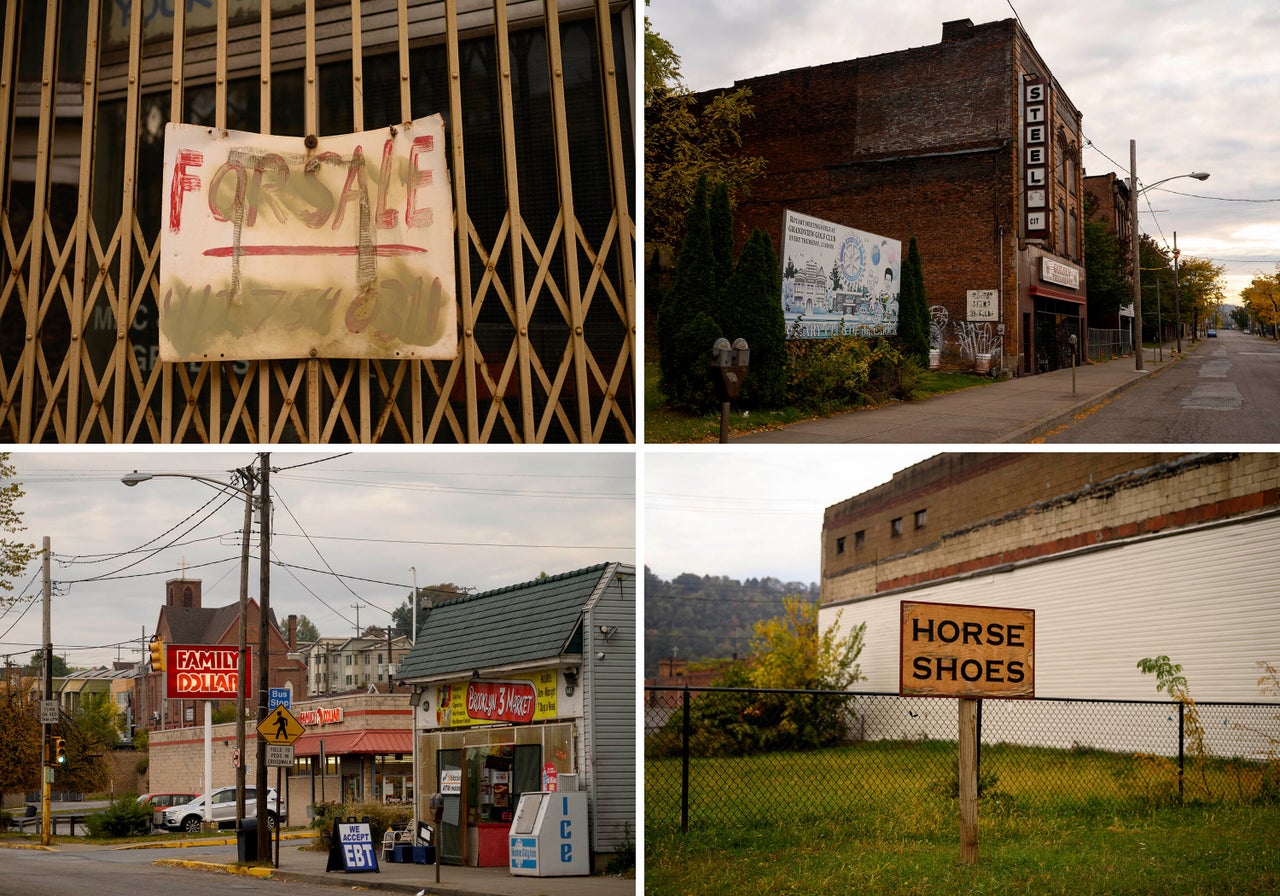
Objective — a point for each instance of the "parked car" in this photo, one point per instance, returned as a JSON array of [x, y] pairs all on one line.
[[189, 816], [161, 801], [1213, 334]]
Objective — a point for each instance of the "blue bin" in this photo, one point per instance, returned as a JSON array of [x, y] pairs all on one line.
[[424, 855], [402, 852]]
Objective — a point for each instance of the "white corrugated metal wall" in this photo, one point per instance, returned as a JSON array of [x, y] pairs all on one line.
[[1208, 597]]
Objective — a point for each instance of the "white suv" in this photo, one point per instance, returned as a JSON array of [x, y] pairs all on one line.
[[222, 810]]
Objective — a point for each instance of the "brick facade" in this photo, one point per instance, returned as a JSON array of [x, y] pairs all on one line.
[[177, 755], [928, 142], [963, 513]]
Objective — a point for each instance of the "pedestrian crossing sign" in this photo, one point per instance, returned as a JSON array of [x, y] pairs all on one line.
[[280, 727]]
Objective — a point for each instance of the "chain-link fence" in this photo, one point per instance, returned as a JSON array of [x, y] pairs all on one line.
[[1107, 344], [735, 756]]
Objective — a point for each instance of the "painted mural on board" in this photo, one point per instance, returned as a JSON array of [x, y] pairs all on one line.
[[838, 280]]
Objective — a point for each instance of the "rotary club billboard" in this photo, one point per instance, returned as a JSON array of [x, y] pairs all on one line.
[[837, 280]]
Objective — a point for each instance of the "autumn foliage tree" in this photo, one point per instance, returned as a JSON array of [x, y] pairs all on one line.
[[791, 651], [14, 554], [1262, 301]]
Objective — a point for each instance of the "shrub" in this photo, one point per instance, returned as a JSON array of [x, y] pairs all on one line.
[[826, 375], [381, 815], [125, 817]]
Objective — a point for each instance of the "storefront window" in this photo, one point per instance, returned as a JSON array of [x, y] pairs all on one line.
[[482, 773]]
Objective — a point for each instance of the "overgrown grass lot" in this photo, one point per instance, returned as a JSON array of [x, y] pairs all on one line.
[[663, 425], [882, 818]]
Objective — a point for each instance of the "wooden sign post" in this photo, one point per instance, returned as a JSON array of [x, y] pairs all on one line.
[[971, 653]]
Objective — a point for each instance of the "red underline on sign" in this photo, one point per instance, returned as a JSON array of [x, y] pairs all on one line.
[[228, 251]]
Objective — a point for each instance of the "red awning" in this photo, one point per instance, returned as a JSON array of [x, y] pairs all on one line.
[[348, 743], [1055, 294]]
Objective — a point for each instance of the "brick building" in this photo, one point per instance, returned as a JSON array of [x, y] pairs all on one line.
[[356, 747], [1122, 556], [1109, 196], [971, 146]]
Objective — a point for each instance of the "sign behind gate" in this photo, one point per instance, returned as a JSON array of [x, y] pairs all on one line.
[[328, 247]]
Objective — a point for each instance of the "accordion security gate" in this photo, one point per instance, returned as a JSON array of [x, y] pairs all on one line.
[[537, 96]]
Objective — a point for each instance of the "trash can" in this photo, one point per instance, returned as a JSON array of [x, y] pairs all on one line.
[[247, 840]]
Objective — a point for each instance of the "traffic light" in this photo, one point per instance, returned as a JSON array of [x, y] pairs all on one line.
[[59, 751], [157, 654]]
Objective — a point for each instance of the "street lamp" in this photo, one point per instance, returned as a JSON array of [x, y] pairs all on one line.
[[245, 476], [1134, 193]]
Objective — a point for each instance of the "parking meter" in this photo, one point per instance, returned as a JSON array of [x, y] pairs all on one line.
[[1073, 363], [730, 363], [436, 804]]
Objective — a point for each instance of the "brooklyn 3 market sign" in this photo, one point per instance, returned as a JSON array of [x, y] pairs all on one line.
[[489, 701], [323, 247]]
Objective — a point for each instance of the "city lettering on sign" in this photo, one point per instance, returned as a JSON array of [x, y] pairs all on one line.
[[955, 650], [501, 701], [332, 247], [202, 673]]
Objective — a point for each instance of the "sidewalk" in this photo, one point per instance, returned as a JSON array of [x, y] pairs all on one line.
[[1015, 410], [297, 864], [454, 880]]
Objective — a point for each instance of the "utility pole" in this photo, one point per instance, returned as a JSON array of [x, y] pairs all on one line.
[[1137, 262], [264, 643], [242, 684], [1177, 305], [46, 739]]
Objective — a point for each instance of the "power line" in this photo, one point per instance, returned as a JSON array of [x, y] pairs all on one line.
[[1213, 198]]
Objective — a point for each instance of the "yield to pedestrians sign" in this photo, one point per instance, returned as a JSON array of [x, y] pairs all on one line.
[[280, 727]]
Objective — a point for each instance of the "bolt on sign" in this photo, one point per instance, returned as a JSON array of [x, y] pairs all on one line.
[[328, 247], [953, 650], [202, 673]]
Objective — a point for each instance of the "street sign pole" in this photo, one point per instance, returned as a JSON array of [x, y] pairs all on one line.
[[276, 734], [970, 653], [968, 780]]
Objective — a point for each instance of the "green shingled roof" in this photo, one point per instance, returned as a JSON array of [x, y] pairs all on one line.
[[538, 620]]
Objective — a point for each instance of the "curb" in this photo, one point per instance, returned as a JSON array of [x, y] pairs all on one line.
[[216, 867], [210, 841], [1040, 428]]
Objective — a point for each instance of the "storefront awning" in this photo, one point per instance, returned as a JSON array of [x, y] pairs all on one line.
[[348, 743], [1055, 294]]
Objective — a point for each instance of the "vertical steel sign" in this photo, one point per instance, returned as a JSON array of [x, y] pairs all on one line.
[[1035, 157]]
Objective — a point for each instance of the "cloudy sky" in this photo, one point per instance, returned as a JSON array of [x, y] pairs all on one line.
[[754, 512], [1195, 82], [346, 531]]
